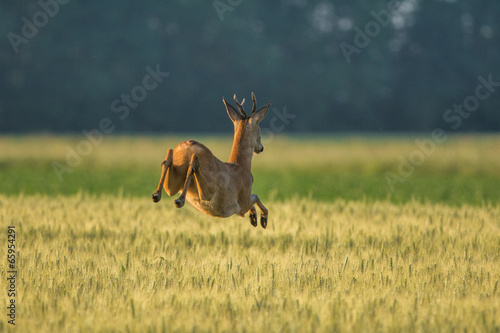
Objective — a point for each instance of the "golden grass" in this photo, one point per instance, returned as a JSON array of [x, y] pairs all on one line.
[[102, 264], [367, 154]]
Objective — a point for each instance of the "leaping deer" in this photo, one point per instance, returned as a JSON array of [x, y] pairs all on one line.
[[214, 187]]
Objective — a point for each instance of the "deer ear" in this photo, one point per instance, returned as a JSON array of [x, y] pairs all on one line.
[[260, 114], [233, 114]]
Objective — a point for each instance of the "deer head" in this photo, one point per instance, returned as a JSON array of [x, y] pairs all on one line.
[[246, 128]]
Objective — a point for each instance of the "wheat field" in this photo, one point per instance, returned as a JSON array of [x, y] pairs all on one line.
[[101, 257], [101, 264]]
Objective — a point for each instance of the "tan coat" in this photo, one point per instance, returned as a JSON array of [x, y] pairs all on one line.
[[218, 188]]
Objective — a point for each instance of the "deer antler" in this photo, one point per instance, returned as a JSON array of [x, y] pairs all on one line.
[[240, 106], [254, 104]]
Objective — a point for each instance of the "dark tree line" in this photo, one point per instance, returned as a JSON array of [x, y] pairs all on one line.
[[335, 65]]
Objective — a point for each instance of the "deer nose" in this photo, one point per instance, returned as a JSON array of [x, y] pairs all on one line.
[[261, 149]]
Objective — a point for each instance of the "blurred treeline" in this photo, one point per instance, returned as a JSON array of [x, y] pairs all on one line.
[[85, 54]]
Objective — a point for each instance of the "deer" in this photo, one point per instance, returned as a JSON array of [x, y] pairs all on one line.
[[216, 188]]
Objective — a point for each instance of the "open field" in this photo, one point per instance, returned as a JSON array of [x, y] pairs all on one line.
[[342, 252], [110, 263], [464, 170]]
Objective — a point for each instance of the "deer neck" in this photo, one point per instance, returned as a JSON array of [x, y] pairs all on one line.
[[242, 150]]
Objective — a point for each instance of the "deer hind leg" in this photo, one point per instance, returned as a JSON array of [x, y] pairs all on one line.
[[193, 167], [263, 212], [165, 165]]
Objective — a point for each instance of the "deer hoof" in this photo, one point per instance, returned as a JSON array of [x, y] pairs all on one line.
[[156, 197], [179, 203], [263, 221], [253, 219]]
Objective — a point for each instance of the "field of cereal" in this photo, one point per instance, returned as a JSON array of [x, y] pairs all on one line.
[[342, 251]]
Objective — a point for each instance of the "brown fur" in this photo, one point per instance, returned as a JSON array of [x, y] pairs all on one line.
[[217, 188]]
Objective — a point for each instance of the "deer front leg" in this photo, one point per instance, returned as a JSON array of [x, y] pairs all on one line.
[[193, 167], [253, 216], [263, 211], [164, 168]]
